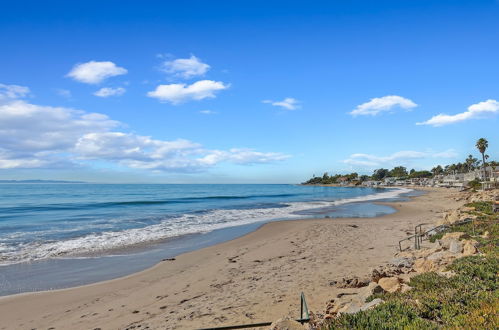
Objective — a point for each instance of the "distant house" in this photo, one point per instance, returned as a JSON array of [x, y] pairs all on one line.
[[389, 181], [454, 180], [462, 179], [371, 183], [343, 180]]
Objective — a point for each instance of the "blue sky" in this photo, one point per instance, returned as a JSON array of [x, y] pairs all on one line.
[[243, 91]]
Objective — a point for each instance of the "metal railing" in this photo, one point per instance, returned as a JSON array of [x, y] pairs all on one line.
[[304, 318], [419, 235]]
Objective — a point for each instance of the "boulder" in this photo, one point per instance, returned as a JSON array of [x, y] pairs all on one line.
[[450, 217], [402, 262], [454, 235], [406, 278], [467, 217], [350, 308], [336, 307], [371, 304], [352, 282], [387, 271], [404, 288], [455, 246], [286, 324], [438, 257], [390, 284], [470, 247], [366, 292], [449, 237], [423, 253], [424, 265]]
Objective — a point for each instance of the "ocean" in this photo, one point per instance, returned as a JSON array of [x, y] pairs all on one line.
[[62, 235]]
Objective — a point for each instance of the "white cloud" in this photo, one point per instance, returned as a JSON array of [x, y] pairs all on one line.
[[185, 67], [95, 72], [178, 93], [382, 104], [34, 136], [241, 156], [405, 157], [450, 153], [11, 92], [208, 112], [475, 111], [143, 152], [109, 91], [288, 103]]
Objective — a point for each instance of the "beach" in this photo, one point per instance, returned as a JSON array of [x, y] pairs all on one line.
[[254, 278]]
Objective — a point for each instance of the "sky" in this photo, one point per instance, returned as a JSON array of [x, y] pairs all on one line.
[[243, 91]]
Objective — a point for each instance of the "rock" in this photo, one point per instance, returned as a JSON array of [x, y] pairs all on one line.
[[455, 246], [390, 284], [468, 216], [336, 308], [423, 253], [450, 217], [469, 247], [449, 237], [424, 265], [406, 278], [350, 308], [454, 235], [371, 304], [328, 317], [286, 324], [353, 282], [376, 274], [387, 271], [402, 262], [437, 257], [404, 288], [366, 292]]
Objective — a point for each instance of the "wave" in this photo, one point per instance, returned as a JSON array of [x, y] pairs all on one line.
[[191, 223], [72, 206]]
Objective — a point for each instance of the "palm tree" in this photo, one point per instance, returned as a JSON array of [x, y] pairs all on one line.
[[482, 145]]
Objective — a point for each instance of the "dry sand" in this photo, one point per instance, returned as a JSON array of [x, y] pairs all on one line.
[[255, 278]]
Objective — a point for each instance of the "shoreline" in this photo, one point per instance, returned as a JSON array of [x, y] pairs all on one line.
[[196, 276], [87, 267], [82, 246]]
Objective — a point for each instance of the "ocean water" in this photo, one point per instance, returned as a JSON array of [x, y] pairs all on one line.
[[60, 235]]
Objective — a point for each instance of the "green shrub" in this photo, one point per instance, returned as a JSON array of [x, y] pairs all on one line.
[[478, 269], [475, 184], [467, 300], [391, 315], [484, 207]]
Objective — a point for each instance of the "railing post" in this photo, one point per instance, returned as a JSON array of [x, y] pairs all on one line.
[[301, 306], [303, 310]]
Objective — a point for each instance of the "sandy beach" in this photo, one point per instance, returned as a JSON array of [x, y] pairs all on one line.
[[255, 278]]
